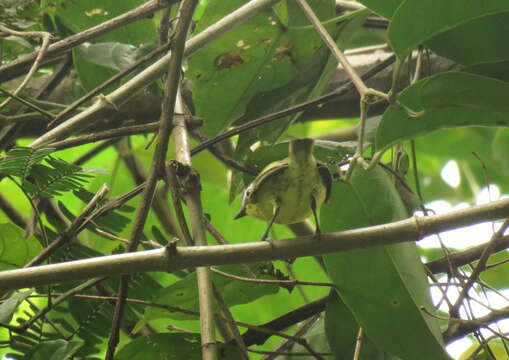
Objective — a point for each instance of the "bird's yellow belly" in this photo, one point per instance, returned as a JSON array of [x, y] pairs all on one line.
[[293, 197]]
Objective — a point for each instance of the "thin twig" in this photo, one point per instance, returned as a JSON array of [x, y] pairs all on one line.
[[338, 54], [297, 338], [358, 345], [46, 37], [230, 321], [268, 281], [118, 132], [481, 265]]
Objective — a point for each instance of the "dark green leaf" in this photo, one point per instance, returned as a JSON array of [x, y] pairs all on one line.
[[386, 285], [405, 34], [451, 99], [54, 350], [486, 40], [342, 331], [312, 78], [386, 8], [9, 306]]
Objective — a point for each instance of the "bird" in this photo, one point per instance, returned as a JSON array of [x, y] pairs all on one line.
[[290, 190]]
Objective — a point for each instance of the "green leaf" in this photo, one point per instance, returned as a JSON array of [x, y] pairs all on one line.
[[254, 58], [342, 331], [497, 349], [485, 34], [52, 181], [9, 306], [184, 293], [19, 161], [15, 249], [54, 350], [386, 8], [382, 286], [497, 276], [405, 34], [312, 78], [170, 346], [81, 15], [451, 99], [167, 346], [251, 58], [493, 69]]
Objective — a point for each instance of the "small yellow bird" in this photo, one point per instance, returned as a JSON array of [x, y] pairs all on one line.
[[289, 190]]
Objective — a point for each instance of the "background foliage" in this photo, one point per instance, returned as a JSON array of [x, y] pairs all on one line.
[[275, 60]]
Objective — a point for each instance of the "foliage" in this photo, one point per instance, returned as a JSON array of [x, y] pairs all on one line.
[[433, 115]]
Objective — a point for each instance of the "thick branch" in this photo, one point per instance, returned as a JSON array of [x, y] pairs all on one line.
[[150, 74], [172, 259]]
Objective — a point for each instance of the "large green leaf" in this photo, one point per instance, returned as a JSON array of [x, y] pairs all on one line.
[[15, 249], [487, 40], [342, 332], [405, 34], [452, 99], [384, 287], [316, 66], [81, 15], [226, 74], [258, 56], [494, 69]]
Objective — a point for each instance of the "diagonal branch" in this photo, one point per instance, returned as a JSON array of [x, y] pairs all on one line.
[[18, 66], [150, 74], [165, 128]]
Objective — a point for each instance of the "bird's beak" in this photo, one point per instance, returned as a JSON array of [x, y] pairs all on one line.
[[240, 214]]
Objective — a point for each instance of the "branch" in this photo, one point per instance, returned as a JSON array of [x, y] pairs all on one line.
[[14, 68], [151, 73], [165, 127], [172, 258], [462, 327], [465, 257]]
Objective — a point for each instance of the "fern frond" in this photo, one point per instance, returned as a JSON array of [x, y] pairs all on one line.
[[19, 161], [52, 181]]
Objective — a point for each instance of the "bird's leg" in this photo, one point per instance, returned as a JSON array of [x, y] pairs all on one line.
[[313, 209], [265, 235]]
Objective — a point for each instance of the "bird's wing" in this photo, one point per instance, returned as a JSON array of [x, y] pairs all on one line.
[[326, 178], [272, 169]]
